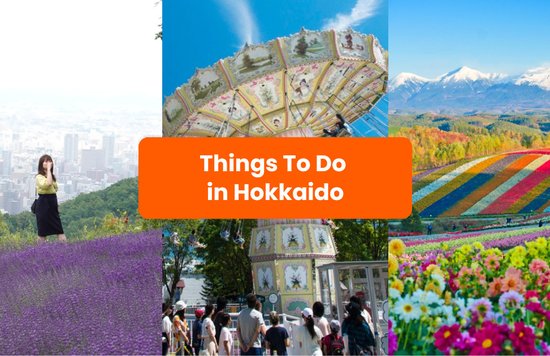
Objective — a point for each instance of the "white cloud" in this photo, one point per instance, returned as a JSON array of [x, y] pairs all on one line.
[[362, 10], [242, 19]]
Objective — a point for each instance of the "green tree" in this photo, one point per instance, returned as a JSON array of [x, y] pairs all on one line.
[[226, 267], [361, 240], [413, 223]]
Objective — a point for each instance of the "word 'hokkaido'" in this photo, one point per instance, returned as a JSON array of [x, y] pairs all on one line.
[[277, 192]]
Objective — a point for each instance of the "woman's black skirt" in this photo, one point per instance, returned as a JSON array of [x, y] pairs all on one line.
[[47, 215]]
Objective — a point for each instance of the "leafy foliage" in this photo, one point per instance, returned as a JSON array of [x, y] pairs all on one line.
[[360, 240], [439, 140]]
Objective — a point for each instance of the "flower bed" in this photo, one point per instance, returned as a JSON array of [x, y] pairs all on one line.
[[452, 242], [94, 297], [472, 301]]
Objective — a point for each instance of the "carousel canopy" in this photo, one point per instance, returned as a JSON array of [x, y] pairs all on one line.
[[301, 81]]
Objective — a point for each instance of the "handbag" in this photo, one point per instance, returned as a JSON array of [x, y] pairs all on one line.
[[35, 202]]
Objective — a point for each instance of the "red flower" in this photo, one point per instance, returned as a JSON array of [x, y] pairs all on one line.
[[446, 336], [523, 339]]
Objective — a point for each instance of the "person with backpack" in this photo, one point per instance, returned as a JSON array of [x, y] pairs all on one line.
[[360, 339], [333, 344]]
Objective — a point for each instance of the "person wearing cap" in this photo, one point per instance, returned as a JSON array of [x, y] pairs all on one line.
[[180, 330], [308, 336], [276, 337], [333, 344], [249, 326], [197, 330], [360, 339]]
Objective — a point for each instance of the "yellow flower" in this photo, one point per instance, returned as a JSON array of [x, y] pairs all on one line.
[[393, 265], [448, 297], [445, 246], [465, 249], [478, 245], [397, 247], [433, 286], [397, 284]]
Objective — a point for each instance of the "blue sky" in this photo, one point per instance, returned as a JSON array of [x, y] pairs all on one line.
[[197, 34], [431, 37]]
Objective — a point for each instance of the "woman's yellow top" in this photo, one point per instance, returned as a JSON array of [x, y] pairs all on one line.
[[42, 186]]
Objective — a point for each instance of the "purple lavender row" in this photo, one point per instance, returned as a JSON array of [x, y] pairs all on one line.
[[93, 297]]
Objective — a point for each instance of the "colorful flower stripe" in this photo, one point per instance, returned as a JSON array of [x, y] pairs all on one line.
[[512, 241], [465, 185], [436, 246], [434, 175], [474, 235], [432, 187], [531, 195], [510, 162], [531, 177], [529, 189], [420, 175], [458, 189], [504, 187], [538, 204]]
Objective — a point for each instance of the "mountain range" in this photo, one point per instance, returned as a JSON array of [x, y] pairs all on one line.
[[466, 90]]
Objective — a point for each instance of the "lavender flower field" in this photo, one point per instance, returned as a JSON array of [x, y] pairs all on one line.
[[92, 297]]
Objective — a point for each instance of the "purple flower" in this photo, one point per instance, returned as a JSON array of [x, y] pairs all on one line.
[[510, 300]]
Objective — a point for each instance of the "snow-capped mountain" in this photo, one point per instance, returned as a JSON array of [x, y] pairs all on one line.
[[465, 89], [407, 79], [466, 74], [537, 76]]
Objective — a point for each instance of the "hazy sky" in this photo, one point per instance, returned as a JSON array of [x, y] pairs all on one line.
[[90, 53], [431, 37]]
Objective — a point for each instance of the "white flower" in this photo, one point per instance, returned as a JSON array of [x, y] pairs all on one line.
[[438, 278], [394, 293], [406, 309]]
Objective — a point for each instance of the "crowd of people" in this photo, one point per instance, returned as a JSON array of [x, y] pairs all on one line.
[[211, 334]]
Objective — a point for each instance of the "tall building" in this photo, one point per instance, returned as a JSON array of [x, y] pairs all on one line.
[[92, 160], [71, 148], [109, 149], [5, 163]]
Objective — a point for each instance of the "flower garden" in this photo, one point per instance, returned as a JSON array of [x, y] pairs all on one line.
[[517, 182], [91, 297], [480, 294]]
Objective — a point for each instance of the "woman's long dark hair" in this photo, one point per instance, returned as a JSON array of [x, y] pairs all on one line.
[[310, 325], [207, 311], [41, 170]]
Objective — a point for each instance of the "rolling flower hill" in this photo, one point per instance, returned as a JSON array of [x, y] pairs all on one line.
[[510, 183], [89, 297]]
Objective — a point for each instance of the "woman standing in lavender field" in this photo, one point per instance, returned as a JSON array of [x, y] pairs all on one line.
[[47, 209]]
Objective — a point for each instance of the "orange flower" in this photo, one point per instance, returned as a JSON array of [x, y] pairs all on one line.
[[512, 281], [495, 287]]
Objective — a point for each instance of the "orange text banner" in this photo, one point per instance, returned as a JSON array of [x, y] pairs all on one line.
[[344, 178]]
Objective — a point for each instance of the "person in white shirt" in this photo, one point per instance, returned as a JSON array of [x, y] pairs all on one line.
[[209, 343], [226, 339], [319, 319], [308, 336], [166, 329]]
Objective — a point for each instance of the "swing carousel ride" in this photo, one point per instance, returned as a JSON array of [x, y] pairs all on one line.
[[312, 83]]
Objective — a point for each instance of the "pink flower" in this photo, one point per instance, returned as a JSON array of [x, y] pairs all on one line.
[[532, 294], [446, 336], [488, 339], [523, 339], [492, 262], [392, 340], [538, 266]]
